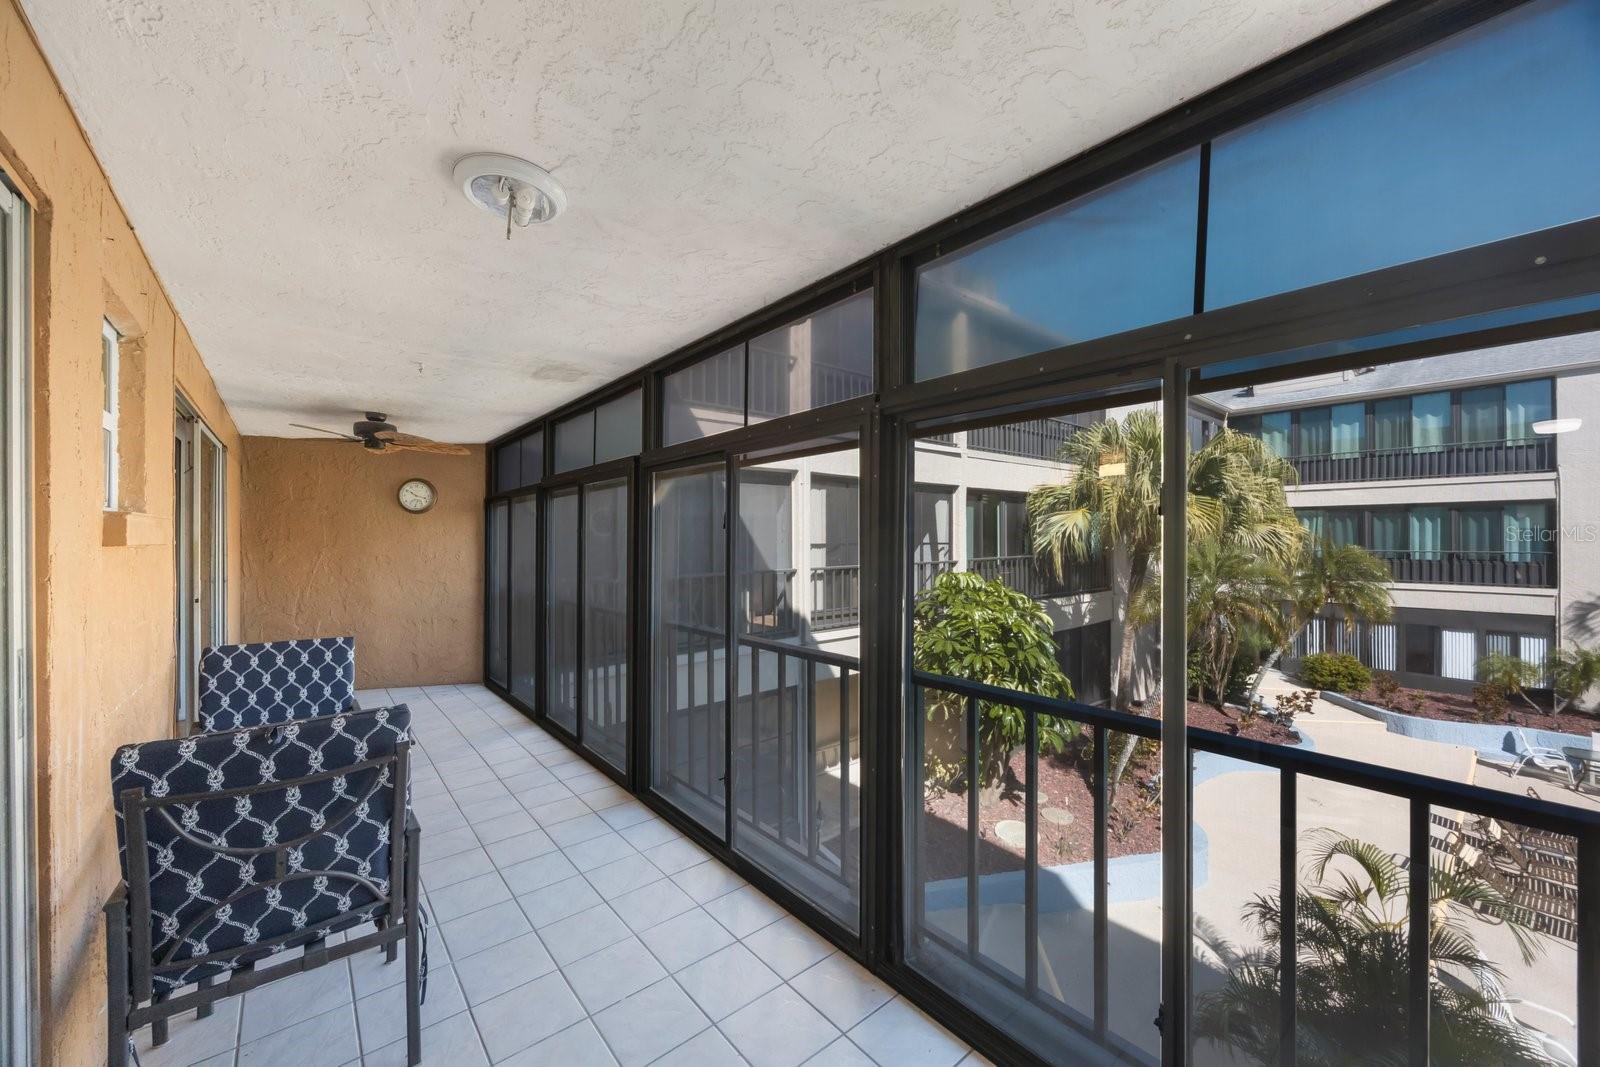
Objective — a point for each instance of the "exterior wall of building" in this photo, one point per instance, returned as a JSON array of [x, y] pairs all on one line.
[[329, 551], [1577, 494], [104, 604]]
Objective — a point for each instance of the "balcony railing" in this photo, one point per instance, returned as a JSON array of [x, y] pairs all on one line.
[[1027, 575], [835, 596], [1034, 439], [1519, 456], [1535, 569], [1020, 975]]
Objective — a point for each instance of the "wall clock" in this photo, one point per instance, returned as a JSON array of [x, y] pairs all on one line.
[[418, 495]]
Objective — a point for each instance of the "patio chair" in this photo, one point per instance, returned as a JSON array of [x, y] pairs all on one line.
[[238, 847], [1543, 757], [275, 681]]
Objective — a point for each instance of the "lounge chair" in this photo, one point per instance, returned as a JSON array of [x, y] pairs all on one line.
[[1546, 759]]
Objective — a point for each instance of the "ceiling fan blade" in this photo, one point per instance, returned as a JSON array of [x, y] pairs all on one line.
[[319, 429], [437, 448]]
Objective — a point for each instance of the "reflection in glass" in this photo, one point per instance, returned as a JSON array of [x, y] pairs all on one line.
[[498, 556], [524, 597], [575, 442], [1116, 259], [507, 467], [689, 643], [703, 399], [532, 458], [561, 617], [822, 359], [619, 427], [797, 723]]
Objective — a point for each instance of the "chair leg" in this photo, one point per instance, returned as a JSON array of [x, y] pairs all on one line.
[[413, 996], [204, 1011], [116, 987]]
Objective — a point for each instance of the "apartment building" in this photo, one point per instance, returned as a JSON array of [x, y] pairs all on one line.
[[1472, 477]]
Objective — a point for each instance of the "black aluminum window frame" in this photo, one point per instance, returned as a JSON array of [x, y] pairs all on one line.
[[1548, 266]]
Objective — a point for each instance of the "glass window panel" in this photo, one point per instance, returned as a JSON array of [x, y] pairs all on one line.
[[1426, 532], [1478, 532], [689, 638], [1348, 428], [1275, 429], [797, 721], [1343, 527], [532, 458], [1526, 404], [1430, 421], [1117, 259], [499, 582], [606, 621], [1388, 533], [1465, 142], [507, 467], [824, 358], [1391, 423], [705, 398], [1421, 648], [1480, 414], [524, 596], [1316, 431], [575, 442], [1526, 532], [561, 610], [619, 427]]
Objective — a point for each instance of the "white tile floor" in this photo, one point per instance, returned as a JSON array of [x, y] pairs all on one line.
[[571, 927]]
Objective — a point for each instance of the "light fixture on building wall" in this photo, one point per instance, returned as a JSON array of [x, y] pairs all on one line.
[[1547, 427], [522, 193]]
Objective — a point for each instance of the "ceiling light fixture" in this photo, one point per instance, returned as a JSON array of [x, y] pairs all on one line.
[[514, 189]]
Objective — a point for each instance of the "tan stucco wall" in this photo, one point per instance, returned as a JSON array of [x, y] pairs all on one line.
[[104, 615], [328, 550]]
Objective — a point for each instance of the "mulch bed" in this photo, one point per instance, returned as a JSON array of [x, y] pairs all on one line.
[[1458, 707], [1134, 826]]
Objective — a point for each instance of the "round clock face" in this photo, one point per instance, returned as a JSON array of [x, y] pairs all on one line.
[[417, 496]]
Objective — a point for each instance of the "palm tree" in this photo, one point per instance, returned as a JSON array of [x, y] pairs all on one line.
[[1353, 967], [1111, 503], [1573, 672], [1512, 675], [1232, 596], [1346, 577]]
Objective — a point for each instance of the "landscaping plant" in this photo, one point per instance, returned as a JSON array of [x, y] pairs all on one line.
[[1335, 672], [1352, 967], [966, 626], [1573, 672], [1514, 675]]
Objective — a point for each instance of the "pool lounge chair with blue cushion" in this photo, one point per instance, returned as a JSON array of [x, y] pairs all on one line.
[[275, 681], [238, 847]]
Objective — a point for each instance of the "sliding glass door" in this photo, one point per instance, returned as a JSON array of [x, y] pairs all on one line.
[[588, 613], [797, 720], [606, 620], [523, 565], [689, 642]]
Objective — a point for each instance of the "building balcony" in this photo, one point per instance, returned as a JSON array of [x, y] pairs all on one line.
[[1027, 575], [1480, 458], [1526, 569]]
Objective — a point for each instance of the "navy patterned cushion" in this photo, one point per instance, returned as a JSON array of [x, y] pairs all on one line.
[[210, 850], [276, 681]]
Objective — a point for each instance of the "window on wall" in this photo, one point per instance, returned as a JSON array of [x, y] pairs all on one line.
[[1465, 142], [822, 359], [499, 571], [619, 427], [562, 619], [574, 442], [110, 358], [704, 398], [519, 463], [524, 567], [1113, 260]]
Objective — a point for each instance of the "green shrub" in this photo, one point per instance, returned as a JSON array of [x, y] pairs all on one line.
[[1335, 672]]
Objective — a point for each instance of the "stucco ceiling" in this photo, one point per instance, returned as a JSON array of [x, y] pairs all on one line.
[[287, 166]]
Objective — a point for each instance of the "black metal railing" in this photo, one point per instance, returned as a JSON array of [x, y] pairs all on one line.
[[690, 715], [835, 596], [1421, 793], [798, 723], [1033, 439], [1512, 456], [1027, 575], [1516, 568]]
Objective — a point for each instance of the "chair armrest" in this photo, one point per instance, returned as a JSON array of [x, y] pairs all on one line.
[[118, 900]]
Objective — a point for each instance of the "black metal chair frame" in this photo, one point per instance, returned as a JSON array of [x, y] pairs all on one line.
[[131, 969]]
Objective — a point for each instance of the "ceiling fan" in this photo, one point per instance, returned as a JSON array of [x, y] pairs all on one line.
[[377, 434]]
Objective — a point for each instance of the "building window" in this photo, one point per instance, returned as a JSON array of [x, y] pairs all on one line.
[[110, 356]]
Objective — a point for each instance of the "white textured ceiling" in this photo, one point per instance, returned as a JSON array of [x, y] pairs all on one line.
[[287, 165]]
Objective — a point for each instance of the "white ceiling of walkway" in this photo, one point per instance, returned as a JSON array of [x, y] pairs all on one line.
[[287, 166]]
